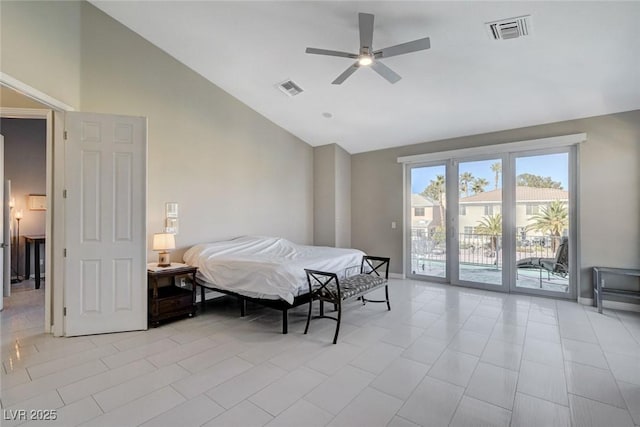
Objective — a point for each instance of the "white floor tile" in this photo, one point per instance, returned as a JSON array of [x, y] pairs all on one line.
[[205, 359], [335, 357], [454, 367], [544, 352], [244, 385], [57, 365], [584, 353], [503, 354], [72, 415], [370, 408], [543, 381], [16, 377], [401, 378], [631, 394], [138, 387], [377, 357], [586, 412], [338, 390], [51, 382], [433, 402], [494, 385], [472, 413], [281, 394], [299, 354], [543, 332], [125, 357], [579, 331], [624, 368], [47, 400], [421, 319], [245, 414], [425, 350], [180, 352], [593, 383], [509, 333], [302, 413], [479, 324], [194, 412], [138, 411], [103, 381], [211, 377], [403, 336], [529, 411], [401, 422], [469, 342]]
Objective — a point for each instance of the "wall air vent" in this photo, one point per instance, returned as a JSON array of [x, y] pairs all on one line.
[[509, 28], [290, 88]]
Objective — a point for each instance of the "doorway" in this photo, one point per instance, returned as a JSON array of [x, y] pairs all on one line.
[[502, 221], [25, 179]]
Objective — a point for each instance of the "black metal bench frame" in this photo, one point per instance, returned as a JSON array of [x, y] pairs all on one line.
[[325, 287]]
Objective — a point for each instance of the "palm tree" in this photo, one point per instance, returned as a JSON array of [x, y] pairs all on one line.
[[478, 185], [466, 178], [491, 225], [497, 169], [552, 219], [436, 191]]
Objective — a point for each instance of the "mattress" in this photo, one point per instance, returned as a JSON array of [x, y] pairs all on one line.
[[267, 267]]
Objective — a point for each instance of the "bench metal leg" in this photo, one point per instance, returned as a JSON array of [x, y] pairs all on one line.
[[306, 328], [243, 306], [202, 300], [386, 294], [335, 338], [285, 321]]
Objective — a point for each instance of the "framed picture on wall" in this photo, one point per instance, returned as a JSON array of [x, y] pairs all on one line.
[[37, 202]]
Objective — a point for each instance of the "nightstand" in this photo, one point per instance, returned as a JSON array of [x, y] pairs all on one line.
[[177, 298]]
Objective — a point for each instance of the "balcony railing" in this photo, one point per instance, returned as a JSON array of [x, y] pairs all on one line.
[[480, 249]]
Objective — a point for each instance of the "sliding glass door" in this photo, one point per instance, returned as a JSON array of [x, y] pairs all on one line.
[[478, 242], [504, 222], [543, 212], [427, 225]]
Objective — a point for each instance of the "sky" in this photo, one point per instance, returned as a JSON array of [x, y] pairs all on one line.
[[553, 165]]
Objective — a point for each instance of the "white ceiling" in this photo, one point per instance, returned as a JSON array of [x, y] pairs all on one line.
[[583, 59]]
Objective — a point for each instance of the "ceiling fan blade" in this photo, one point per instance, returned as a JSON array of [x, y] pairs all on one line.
[[330, 53], [386, 72], [342, 77], [400, 49], [365, 21]]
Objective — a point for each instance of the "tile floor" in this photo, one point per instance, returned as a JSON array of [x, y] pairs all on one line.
[[442, 356]]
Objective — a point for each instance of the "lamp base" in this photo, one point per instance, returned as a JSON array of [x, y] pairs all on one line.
[[164, 259]]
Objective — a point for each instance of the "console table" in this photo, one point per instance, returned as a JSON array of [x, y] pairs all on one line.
[[600, 290], [36, 241]]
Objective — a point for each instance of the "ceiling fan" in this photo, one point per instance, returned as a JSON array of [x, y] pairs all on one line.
[[369, 57]]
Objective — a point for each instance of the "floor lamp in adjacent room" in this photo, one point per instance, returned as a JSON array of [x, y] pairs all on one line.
[[18, 218]]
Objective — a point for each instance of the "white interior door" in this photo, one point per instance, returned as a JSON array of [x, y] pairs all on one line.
[[105, 286]]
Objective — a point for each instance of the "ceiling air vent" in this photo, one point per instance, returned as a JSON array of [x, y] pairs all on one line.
[[509, 28], [290, 88]]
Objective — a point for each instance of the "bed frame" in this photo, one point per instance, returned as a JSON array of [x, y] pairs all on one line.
[[278, 304]]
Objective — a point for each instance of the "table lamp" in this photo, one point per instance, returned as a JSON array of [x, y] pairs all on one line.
[[164, 242]]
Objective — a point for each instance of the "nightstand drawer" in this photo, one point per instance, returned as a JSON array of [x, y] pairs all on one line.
[[175, 303], [171, 301]]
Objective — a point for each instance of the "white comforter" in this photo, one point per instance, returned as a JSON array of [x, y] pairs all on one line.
[[266, 267]]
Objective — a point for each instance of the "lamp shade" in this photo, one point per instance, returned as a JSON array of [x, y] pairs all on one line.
[[19, 214], [163, 241]]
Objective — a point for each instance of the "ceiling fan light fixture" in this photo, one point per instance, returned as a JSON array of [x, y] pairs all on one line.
[[365, 60]]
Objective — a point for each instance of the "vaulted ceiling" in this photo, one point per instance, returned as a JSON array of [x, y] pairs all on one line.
[[580, 59]]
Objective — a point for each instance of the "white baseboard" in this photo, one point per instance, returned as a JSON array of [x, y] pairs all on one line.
[[615, 305], [396, 276]]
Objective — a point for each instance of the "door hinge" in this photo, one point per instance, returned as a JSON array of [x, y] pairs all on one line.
[[64, 311], [64, 194], [64, 252], [66, 135]]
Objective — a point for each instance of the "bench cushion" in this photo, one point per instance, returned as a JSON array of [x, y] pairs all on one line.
[[354, 285]]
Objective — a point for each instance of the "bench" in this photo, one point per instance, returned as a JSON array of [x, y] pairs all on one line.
[[600, 290], [327, 287]]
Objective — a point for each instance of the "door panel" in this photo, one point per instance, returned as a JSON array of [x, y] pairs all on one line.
[[479, 237], [543, 213], [5, 282], [105, 280], [427, 214]]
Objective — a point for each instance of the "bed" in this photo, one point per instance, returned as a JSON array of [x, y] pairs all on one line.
[[266, 270]]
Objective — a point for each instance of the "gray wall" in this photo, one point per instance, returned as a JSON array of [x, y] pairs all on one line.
[[332, 196], [25, 165], [608, 197], [232, 171]]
